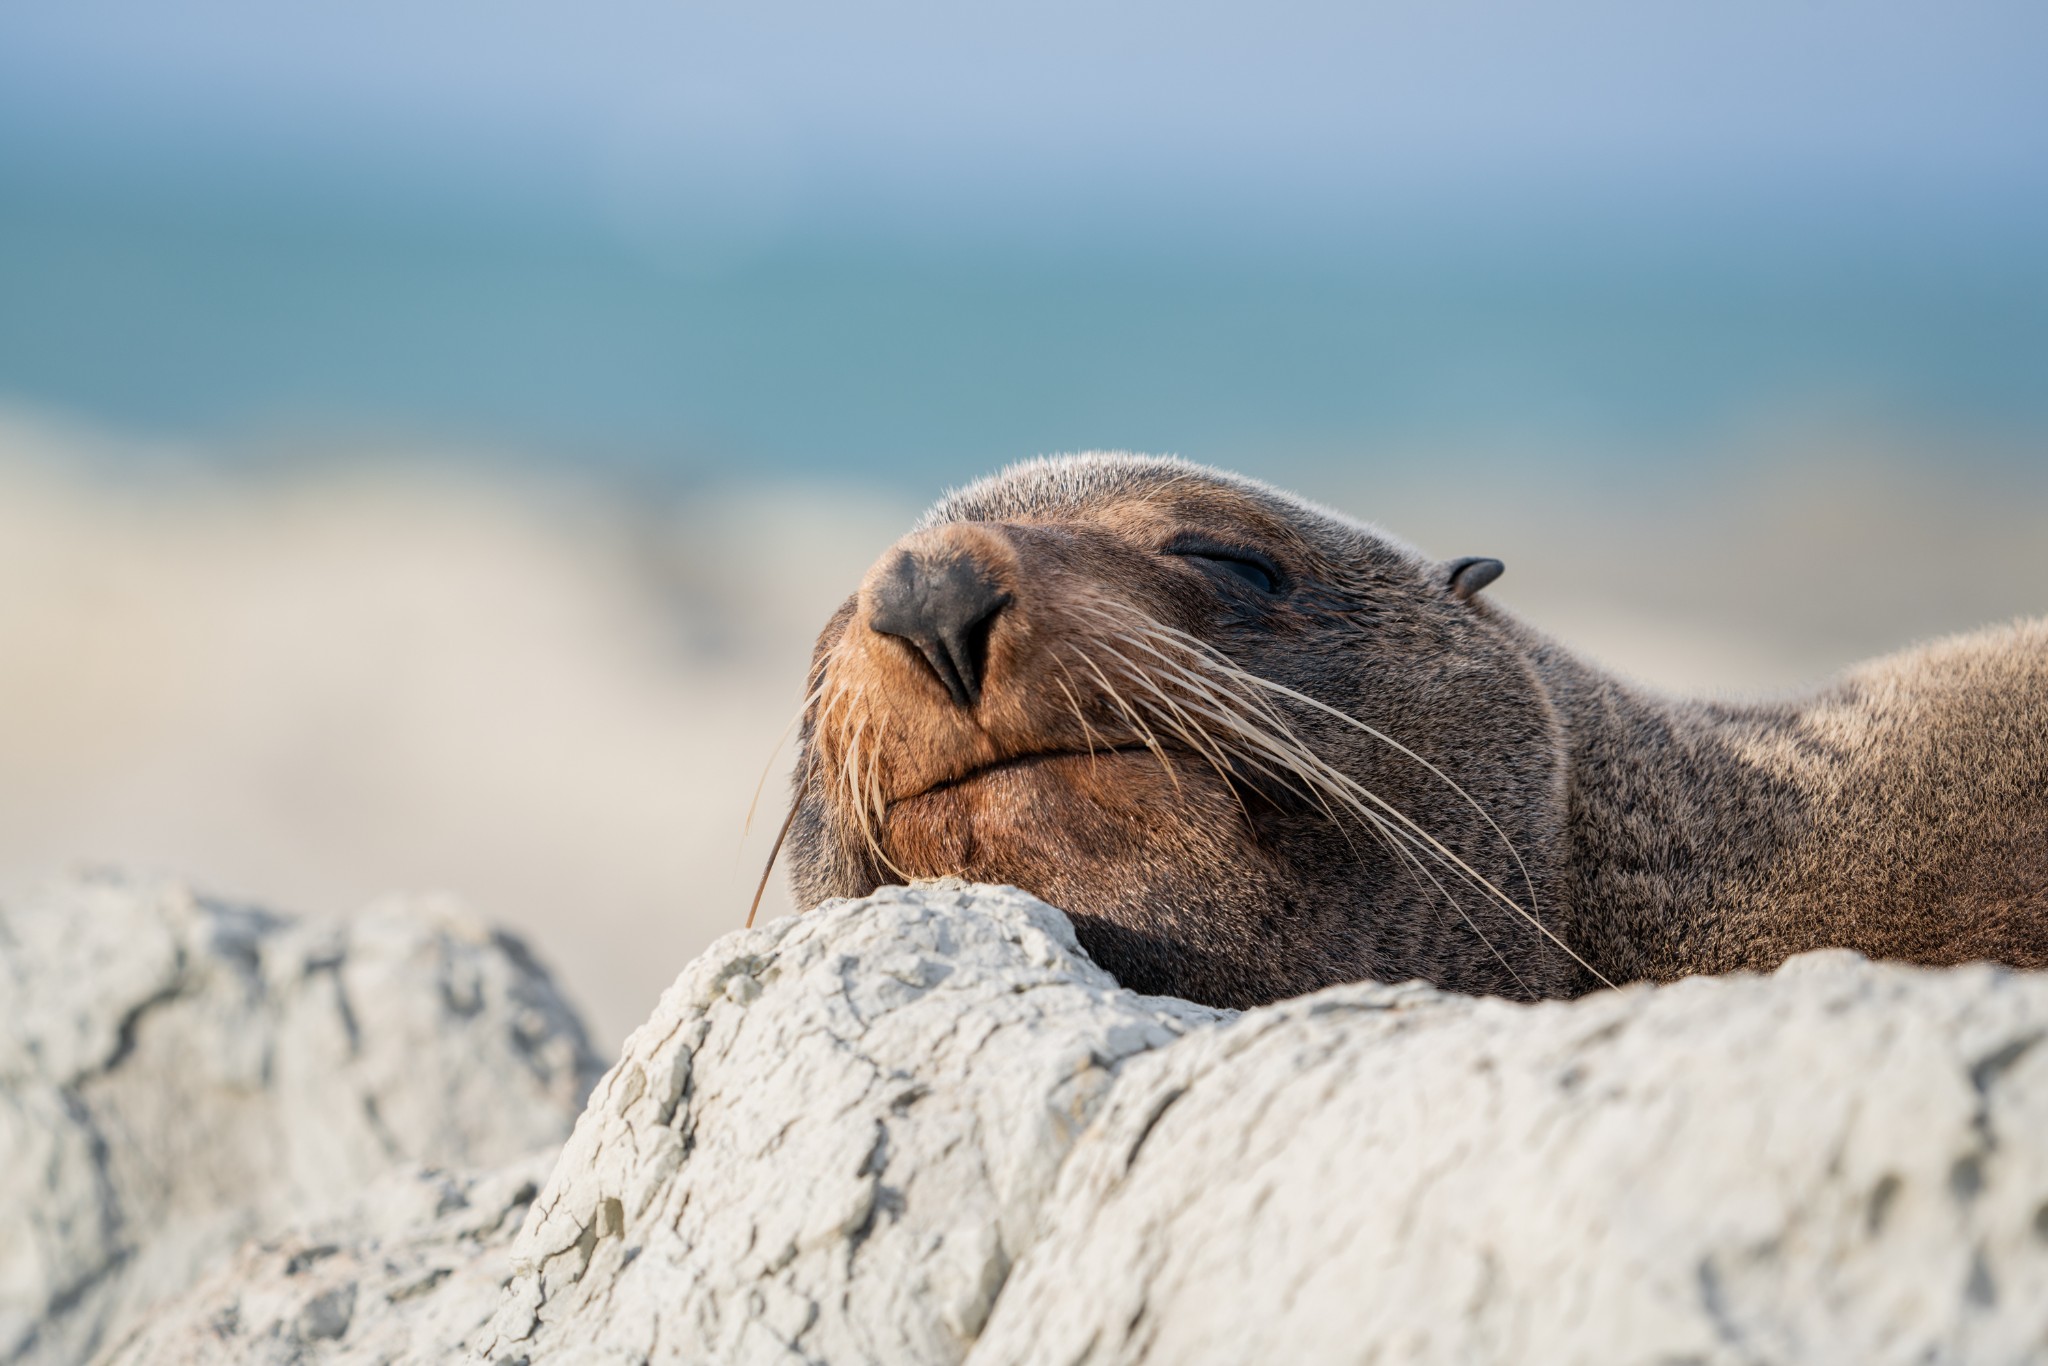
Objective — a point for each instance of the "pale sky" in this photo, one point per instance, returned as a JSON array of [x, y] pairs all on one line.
[[915, 111]]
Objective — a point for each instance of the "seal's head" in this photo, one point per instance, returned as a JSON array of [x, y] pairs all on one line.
[[1251, 746]]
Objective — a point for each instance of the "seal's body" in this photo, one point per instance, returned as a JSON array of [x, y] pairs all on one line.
[[1254, 748]]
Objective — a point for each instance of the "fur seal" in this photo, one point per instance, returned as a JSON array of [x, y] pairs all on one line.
[[1254, 747]]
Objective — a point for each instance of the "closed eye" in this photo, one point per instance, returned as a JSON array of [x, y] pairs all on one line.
[[1244, 566]]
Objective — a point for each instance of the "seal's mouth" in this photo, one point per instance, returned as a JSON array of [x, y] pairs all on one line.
[[1017, 762]]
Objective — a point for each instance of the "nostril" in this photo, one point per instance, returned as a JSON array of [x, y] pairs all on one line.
[[945, 609], [967, 644]]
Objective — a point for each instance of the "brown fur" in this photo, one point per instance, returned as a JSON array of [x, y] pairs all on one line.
[[1610, 834]]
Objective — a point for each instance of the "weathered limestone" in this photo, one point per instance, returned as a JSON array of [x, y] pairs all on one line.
[[177, 1073], [838, 1134], [409, 1272], [830, 1141], [1844, 1162], [924, 1128]]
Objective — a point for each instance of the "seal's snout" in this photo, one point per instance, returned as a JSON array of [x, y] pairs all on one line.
[[942, 599]]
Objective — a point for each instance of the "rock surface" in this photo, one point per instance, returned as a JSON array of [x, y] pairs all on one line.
[[924, 1128], [1844, 1162], [830, 1141], [177, 1073], [854, 1136], [411, 1271]]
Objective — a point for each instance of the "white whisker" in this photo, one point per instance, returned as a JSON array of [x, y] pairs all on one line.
[[1319, 773]]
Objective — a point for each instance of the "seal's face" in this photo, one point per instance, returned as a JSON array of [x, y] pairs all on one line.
[[1251, 747]]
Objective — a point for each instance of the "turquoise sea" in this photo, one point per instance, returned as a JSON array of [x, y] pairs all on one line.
[[269, 325]]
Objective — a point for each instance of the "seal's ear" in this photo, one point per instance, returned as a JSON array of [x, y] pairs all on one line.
[[1467, 576]]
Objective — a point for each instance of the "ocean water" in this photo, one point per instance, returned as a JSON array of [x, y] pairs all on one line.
[[265, 326]]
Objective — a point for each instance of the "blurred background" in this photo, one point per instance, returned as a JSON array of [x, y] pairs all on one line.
[[430, 433]]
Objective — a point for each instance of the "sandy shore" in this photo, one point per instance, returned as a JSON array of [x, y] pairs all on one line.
[[556, 701]]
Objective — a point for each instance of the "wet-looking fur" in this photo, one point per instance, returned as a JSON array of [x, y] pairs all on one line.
[[1254, 747]]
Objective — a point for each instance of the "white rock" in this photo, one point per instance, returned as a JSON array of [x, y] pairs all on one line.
[[852, 1138], [1846, 1162], [924, 1128], [177, 1073], [411, 1271], [830, 1141]]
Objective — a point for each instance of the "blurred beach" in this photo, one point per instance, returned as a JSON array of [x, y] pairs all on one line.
[[430, 436]]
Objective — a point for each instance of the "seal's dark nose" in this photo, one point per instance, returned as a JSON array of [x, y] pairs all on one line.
[[943, 605]]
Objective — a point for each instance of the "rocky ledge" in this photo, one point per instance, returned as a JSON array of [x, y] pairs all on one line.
[[924, 1127], [178, 1073]]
